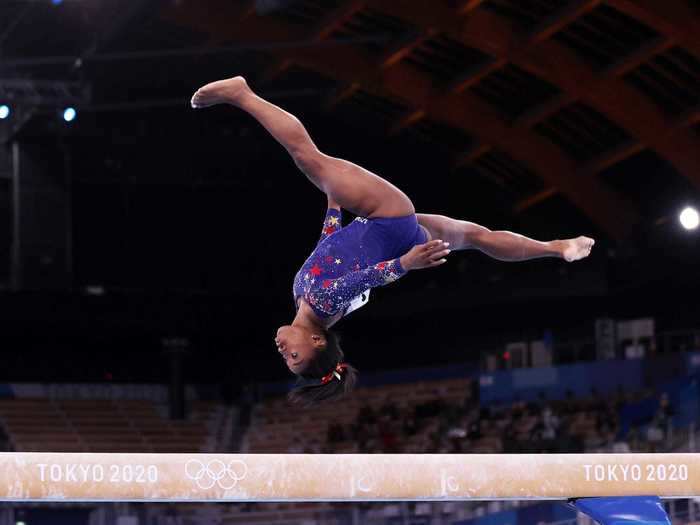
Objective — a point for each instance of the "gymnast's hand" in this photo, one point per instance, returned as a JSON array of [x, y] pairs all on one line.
[[426, 255]]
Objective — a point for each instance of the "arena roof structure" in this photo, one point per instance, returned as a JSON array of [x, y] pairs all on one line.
[[543, 98], [542, 95]]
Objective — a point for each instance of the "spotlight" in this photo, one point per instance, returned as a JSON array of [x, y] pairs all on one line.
[[69, 114], [56, 2], [689, 218], [4, 111]]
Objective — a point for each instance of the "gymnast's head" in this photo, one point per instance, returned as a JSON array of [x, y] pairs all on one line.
[[317, 360]]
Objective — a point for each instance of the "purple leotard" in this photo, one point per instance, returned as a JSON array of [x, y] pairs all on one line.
[[349, 260]]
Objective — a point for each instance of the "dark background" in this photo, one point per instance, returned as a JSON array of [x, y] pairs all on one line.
[[193, 223]]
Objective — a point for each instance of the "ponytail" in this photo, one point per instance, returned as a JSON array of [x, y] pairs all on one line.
[[327, 378]]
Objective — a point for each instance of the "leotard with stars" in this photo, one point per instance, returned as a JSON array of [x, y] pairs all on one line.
[[350, 260]]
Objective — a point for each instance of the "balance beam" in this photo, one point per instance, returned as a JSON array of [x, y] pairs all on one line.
[[36, 476]]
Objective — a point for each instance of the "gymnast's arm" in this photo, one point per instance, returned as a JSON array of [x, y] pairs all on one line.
[[332, 205], [332, 222], [333, 293]]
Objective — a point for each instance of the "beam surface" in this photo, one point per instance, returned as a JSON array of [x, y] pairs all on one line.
[[37, 476]]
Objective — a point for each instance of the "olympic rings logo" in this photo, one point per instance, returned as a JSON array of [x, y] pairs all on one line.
[[216, 472]]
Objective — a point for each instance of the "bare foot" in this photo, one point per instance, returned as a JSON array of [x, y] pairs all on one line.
[[575, 249], [220, 92]]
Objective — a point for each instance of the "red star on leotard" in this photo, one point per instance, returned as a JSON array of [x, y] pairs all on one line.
[[328, 230], [326, 283], [316, 270], [381, 265]]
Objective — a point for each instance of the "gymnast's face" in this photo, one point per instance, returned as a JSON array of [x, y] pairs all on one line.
[[297, 345]]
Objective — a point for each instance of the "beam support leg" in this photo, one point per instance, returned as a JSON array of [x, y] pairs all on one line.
[[647, 510]]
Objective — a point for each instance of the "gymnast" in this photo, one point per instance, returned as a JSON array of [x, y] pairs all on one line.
[[387, 240]]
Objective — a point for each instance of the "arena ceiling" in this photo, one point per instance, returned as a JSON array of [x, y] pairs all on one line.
[[543, 98], [540, 95]]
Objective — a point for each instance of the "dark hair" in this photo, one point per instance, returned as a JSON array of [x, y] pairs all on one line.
[[309, 389]]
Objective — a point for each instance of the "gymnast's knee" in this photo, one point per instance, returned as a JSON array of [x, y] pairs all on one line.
[[308, 159]]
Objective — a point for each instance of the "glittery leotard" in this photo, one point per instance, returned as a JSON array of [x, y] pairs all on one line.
[[348, 261]]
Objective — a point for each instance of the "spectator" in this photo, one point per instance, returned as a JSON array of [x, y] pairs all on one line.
[[430, 408], [474, 425], [410, 427], [313, 447], [657, 431], [388, 436], [389, 409], [606, 420], [366, 415], [596, 403], [335, 433], [620, 399], [664, 413], [296, 446], [620, 447], [4, 440], [550, 425], [517, 409], [570, 405]]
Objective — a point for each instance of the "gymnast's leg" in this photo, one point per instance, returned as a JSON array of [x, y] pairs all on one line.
[[501, 245], [352, 187]]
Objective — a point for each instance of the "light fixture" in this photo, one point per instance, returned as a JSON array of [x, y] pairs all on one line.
[[4, 111], [69, 114], [689, 218]]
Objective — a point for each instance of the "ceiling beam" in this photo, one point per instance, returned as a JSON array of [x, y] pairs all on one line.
[[561, 18], [340, 95], [592, 167], [540, 112], [337, 18], [612, 157], [476, 75], [638, 57], [410, 118], [690, 117], [547, 27], [471, 154], [557, 64], [465, 6], [532, 200], [215, 21], [398, 52], [673, 18], [328, 25]]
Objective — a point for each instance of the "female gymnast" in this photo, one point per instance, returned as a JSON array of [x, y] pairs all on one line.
[[386, 240]]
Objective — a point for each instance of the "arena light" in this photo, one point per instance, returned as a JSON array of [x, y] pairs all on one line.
[[689, 218], [4, 111], [56, 2], [69, 114]]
